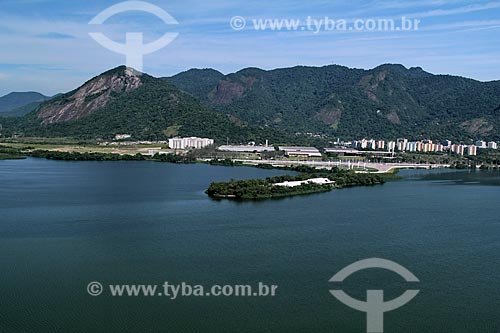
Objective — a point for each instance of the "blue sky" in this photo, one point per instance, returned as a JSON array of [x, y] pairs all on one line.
[[46, 46]]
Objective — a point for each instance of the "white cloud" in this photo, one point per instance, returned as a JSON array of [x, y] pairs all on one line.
[[456, 11], [414, 4], [464, 24]]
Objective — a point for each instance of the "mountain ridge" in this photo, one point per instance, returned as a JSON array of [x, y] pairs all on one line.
[[386, 101]]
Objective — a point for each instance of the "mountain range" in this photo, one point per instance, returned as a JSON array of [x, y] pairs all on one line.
[[281, 105], [385, 102]]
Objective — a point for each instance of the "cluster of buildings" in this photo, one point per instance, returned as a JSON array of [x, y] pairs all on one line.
[[189, 143], [425, 146], [483, 144]]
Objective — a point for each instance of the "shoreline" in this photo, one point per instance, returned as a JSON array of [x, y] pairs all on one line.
[[84, 152]]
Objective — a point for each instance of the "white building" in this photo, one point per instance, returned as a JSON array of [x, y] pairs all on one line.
[[122, 136], [492, 145], [192, 142]]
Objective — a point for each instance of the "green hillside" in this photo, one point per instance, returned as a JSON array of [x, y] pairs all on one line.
[[20, 103]]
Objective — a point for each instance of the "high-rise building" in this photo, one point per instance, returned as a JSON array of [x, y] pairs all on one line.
[[458, 149], [420, 146], [447, 143], [492, 145], [402, 144], [391, 146], [412, 146], [471, 150], [481, 144], [438, 148]]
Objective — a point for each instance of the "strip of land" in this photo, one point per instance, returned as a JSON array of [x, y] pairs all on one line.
[[314, 181], [356, 166]]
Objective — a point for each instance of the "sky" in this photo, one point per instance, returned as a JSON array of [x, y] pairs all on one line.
[[46, 46]]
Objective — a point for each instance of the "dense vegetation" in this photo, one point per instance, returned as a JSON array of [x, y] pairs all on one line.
[[386, 102], [225, 162], [10, 153], [10, 157], [198, 82], [255, 189], [74, 156]]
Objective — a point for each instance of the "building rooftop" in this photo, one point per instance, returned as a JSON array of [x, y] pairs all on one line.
[[245, 148], [304, 149], [320, 181]]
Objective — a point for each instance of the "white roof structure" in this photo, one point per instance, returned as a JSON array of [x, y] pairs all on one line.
[[245, 148], [342, 150], [288, 149], [320, 181], [300, 151]]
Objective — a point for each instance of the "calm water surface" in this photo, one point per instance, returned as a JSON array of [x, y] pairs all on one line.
[[65, 224]]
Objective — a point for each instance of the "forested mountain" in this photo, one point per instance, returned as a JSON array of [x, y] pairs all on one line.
[[385, 102], [199, 82], [20, 103]]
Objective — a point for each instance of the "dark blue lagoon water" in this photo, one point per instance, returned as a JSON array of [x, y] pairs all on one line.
[[65, 224]]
